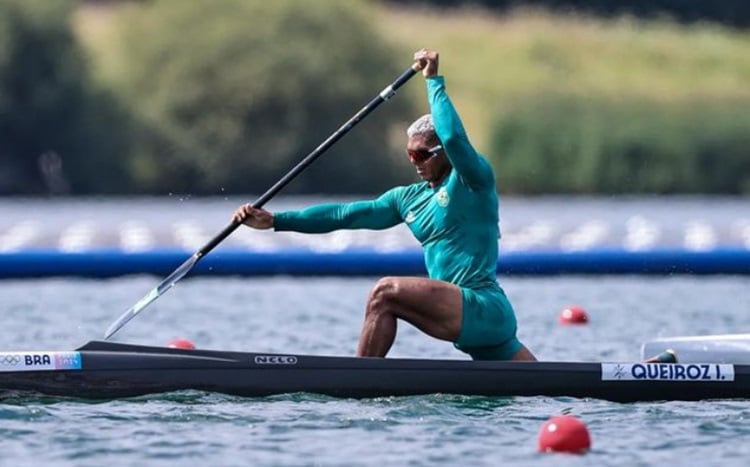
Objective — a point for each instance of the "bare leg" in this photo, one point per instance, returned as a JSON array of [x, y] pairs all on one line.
[[524, 355], [434, 307], [377, 336]]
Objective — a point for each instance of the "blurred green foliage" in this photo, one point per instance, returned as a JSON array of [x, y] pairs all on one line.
[[565, 144], [230, 94], [729, 12], [571, 104], [217, 96], [58, 132]]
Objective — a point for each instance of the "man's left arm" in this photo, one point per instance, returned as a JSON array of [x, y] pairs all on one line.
[[471, 166]]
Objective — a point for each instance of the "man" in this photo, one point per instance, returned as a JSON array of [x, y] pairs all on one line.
[[454, 215]]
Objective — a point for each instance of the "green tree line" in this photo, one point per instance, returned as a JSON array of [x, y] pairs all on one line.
[[730, 12], [54, 120], [571, 145], [209, 97]]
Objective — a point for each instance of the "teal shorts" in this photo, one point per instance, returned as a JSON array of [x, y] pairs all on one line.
[[488, 330]]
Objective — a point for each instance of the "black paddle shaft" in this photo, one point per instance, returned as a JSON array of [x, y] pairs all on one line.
[[185, 268], [386, 94]]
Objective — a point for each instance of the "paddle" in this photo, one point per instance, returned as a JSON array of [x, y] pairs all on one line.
[[181, 271]]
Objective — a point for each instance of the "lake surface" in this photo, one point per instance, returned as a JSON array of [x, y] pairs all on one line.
[[323, 316]]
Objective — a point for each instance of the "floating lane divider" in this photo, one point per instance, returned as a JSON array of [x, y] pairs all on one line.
[[363, 262]]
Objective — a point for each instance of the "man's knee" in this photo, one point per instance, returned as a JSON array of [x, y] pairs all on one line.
[[382, 295]]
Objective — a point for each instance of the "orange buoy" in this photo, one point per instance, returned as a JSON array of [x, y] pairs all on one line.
[[574, 315], [181, 343], [564, 433]]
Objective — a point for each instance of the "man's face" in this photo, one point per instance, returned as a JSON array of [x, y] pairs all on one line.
[[431, 166]]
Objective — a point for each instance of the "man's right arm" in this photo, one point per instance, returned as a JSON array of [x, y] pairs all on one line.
[[377, 214]]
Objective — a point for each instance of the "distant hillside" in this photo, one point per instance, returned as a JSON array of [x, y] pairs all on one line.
[[490, 58]]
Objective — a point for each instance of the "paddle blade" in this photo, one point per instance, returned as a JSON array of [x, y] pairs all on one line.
[[155, 293]]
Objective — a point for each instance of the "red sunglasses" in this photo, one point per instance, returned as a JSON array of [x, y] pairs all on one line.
[[424, 154]]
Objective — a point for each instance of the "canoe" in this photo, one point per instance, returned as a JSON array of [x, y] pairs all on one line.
[[718, 348], [108, 370]]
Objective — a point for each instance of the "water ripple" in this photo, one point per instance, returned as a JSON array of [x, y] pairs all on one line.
[[322, 316]]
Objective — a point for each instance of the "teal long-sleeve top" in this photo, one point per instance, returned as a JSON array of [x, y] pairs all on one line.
[[456, 222]]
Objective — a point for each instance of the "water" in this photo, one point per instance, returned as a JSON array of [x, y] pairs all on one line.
[[322, 316]]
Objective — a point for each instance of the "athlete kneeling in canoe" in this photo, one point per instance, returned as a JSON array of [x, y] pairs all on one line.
[[454, 215]]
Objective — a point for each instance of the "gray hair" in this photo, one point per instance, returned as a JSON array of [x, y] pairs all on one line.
[[421, 126]]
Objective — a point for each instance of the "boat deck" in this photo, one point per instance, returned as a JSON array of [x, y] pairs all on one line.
[[104, 370]]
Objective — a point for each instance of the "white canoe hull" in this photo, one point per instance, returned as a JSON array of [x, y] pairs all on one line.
[[722, 348]]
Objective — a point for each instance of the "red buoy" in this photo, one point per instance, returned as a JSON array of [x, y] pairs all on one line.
[[574, 315], [181, 343], [564, 433]]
